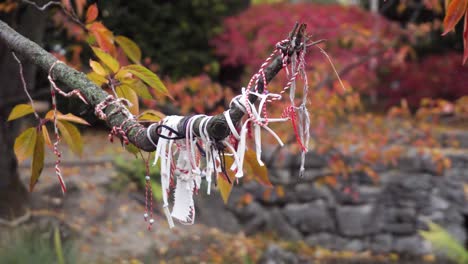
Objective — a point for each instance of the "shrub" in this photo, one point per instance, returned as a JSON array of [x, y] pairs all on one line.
[[174, 33], [435, 76]]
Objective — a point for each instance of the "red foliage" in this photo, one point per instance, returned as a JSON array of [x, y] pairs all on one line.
[[351, 34], [435, 76]]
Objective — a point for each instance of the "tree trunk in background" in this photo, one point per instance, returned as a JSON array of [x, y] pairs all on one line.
[[31, 23]]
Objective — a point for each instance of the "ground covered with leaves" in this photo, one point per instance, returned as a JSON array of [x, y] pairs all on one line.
[[100, 220]]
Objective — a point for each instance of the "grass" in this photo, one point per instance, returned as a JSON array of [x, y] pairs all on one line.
[[36, 246]]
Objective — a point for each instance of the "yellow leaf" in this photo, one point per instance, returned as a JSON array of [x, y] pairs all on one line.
[[96, 78], [20, 110], [68, 117], [72, 136], [98, 68], [224, 186], [148, 77], [138, 86], [130, 48], [45, 133], [37, 162], [127, 93], [24, 144], [259, 173], [107, 59], [151, 115]]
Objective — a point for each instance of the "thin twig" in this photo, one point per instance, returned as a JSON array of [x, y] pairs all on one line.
[[333, 67], [25, 88], [44, 7]]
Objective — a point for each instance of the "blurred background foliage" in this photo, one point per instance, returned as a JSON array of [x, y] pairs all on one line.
[[176, 34]]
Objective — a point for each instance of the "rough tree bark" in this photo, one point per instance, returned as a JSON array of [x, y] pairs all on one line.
[[13, 195], [218, 128]]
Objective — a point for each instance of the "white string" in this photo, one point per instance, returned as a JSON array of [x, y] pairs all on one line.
[[231, 124]]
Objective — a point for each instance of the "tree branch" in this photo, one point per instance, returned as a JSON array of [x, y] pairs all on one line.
[[218, 128]]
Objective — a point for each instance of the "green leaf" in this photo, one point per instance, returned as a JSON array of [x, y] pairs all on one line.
[[107, 59], [148, 77], [132, 149], [37, 161], [445, 242], [20, 110], [130, 48], [72, 136], [127, 93], [24, 144]]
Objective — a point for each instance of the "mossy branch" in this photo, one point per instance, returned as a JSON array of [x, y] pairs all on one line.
[[218, 128]]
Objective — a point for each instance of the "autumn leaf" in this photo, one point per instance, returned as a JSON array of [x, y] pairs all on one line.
[[151, 115], [98, 68], [72, 136], [103, 36], [91, 13], [24, 144], [20, 110], [107, 59], [80, 4], [456, 9], [45, 133], [259, 173], [224, 186], [141, 89], [130, 48], [148, 77], [127, 93], [96, 78], [68, 117], [37, 161]]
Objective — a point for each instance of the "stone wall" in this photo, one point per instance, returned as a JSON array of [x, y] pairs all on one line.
[[383, 217]]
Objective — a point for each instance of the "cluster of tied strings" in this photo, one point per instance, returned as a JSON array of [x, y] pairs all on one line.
[[186, 159]]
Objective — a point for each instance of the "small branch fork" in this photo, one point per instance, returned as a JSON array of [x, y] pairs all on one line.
[[115, 111]]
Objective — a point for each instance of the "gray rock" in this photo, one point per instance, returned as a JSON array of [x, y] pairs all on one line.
[[277, 255], [411, 245], [309, 218], [207, 206], [306, 192], [381, 243], [281, 176], [277, 223], [355, 245], [356, 221], [400, 228], [437, 203], [326, 240], [369, 193]]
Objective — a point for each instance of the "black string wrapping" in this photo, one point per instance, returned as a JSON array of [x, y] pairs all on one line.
[[178, 135]]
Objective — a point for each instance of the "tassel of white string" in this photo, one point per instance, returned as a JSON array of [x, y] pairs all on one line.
[[165, 153], [258, 122]]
